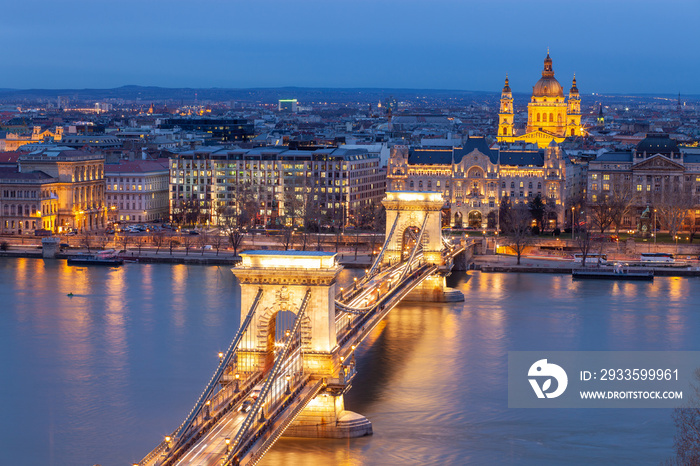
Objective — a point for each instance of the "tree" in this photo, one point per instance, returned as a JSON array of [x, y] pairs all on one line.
[[158, 240], [287, 237], [673, 204], [125, 240], [622, 197], [203, 240], [584, 243], [686, 441], [216, 241], [601, 213], [518, 222], [187, 242], [102, 241], [229, 223], [504, 211], [538, 209], [86, 240]]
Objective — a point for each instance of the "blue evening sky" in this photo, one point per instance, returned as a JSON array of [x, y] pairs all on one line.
[[615, 46]]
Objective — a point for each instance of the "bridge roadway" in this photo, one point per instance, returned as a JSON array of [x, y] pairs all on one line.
[[358, 311]]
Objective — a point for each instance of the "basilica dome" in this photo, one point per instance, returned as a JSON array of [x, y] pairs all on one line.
[[547, 86]]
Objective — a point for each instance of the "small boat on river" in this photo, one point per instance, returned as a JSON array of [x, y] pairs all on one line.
[[618, 272], [107, 257]]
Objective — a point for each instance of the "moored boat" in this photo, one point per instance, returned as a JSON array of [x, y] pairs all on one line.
[[618, 272], [107, 257]]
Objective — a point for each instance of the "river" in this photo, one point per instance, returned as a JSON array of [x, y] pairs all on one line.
[[101, 376]]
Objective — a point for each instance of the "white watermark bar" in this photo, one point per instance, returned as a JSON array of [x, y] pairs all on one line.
[[601, 379]]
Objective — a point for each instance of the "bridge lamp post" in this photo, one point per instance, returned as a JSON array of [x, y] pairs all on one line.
[[236, 389], [288, 391], [207, 405], [228, 444], [167, 442], [341, 292], [221, 357], [355, 280]]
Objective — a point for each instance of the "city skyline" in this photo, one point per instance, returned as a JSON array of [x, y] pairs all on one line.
[[617, 48]]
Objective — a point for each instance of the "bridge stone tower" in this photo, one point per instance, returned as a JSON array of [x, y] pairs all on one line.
[[407, 212], [285, 277]]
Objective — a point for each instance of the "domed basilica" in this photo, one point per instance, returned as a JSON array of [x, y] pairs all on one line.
[[549, 116]]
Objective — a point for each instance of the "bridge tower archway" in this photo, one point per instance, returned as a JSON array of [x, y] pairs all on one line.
[[285, 278], [408, 212]]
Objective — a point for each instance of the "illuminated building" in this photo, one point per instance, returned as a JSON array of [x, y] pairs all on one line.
[[656, 168], [137, 191], [550, 117], [80, 184], [287, 105], [475, 178], [334, 182], [14, 141], [28, 201], [221, 129]]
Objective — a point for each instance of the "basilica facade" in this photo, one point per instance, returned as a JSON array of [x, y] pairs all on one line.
[[550, 117]]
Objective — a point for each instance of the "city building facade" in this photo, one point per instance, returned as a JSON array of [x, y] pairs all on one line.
[[657, 174], [475, 178], [221, 129], [28, 201], [287, 185], [137, 191], [80, 185]]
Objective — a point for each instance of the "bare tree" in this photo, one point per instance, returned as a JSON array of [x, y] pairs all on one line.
[[125, 240], [584, 242], [673, 204], [172, 243], [139, 243], [621, 199], [216, 241], [86, 240], [601, 212], [287, 237], [518, 234], [229, 223], [102, 241], [187, 242], [158, 240], [686, 441], [203, 240]]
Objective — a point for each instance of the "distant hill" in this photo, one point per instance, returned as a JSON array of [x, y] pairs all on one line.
[[148, 93]]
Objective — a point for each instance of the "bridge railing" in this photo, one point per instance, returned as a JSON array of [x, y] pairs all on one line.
[[266, 398], [182, 431]]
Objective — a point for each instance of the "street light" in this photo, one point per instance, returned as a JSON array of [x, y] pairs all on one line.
[[654, 230], [573, 223]]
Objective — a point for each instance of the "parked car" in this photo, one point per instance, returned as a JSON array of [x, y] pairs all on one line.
[[193, 232]]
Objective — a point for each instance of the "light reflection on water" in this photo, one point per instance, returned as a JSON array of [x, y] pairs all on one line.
[[102, 376]]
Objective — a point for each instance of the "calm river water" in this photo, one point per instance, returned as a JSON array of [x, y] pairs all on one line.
[[101, 377]]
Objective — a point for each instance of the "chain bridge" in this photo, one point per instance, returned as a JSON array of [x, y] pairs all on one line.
[[293, 358]]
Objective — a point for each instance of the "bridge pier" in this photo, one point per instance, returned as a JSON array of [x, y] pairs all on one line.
[[433, 289], [325, 417]]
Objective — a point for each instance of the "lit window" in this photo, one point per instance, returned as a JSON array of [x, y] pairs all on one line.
[[594, 176], [606, 187], [606, 177], [639, 187], [595, 198]]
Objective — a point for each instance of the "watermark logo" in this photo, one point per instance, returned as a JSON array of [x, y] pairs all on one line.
[[544, 371]]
